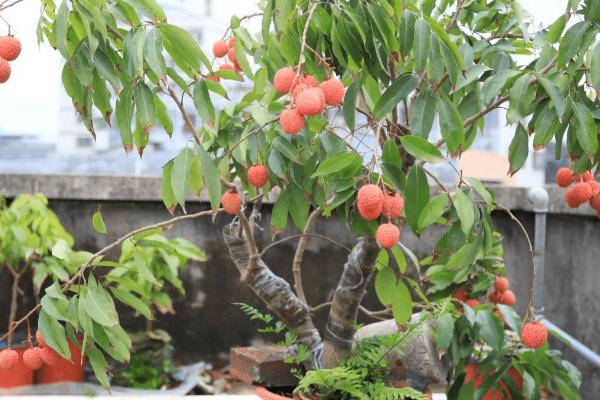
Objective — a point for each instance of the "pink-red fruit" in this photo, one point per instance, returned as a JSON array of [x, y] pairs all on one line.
[[501, 284], [8, 359], [231, 55], [32, 358], [508, 298], [388, 235], [461, 294], [220, 49], [564, 177], [392, 205], [334, 91], [311, 81], [231, 203], [370, 202], [39, 338], [291, 121], [311, 101], [10, 48], [284, 79], [472, 303], [534, 334], [258, 175], [4, 70], [49, 356]]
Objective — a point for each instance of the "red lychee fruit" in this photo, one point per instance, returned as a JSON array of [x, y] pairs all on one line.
[[501, 283], [534, 334], [213, 78], [291, 121], [220, 49], [471, 375], [516, 377], [8, 359], [49, 356], [595, 186], [231, 203], [284, 79], [4, 70], [472, 303], [564, 177], [370, 202], [311, 81], [392, 205], [388, 235], [571, 198], [582, 192], [587, 176], [461, 294], [32, 358], [508, 298], [310, 101], [334, 91], [595, 203], [237, 67], [493, 394], [231, 42], [225, 67], [258, 175], [231, 55], [39, 338], [10, 48], [494, 297], [298, 88]]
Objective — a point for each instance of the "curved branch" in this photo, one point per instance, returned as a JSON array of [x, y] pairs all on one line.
[[297, 263]]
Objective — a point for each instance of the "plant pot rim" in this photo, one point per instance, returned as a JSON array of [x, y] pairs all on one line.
[[266, 394]]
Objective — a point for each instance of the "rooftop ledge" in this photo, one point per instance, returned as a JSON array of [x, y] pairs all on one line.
[[134, 188]]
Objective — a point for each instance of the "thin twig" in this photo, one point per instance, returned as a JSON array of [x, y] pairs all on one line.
[[297, 263], [454, 19]]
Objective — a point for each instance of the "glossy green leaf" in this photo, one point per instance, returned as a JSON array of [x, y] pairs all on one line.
[[349, 106], [180, 175], [421, 149], [212, 179], [587, 133], [451, 124], [402, 304], [518, 149], [98, 223], [417, 196], [422, 44], [385, 285], [397, 92], [464, 209], [337, 163], [54, 334], [153, 53], [432, 211], [423, 113], [203, 103]]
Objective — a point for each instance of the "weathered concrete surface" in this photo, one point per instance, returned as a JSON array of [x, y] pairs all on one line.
[[207, 324]]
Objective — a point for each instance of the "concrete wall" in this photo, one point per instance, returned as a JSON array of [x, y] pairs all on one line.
[[206, 323]]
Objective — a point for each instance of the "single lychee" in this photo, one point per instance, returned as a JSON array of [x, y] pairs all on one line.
[[370, 202], [587, 176], [501, 284], [534, 334], [231, 55], [595, 202], [291, 121], [231, 203], [298, 88], [284, 79], [4, 70], [258, 175], [49, 356], [564, 177], [508, 298], [220, 49], [225, 67], [388, 235], [595, 186], [311, 81], [472, 303], [571, 198], [8, 359], [392, 205], [231, 42], [39, 338], [461, 294], [32, 358], [582, 192], [334, 91], [494, 297], [10, 48], [310, 101]]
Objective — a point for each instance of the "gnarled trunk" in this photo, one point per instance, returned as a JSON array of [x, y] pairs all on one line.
[[349, 293]]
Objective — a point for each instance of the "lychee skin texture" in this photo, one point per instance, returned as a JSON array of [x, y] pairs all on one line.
[[32, 358], [220, 49], [231, 55], [392, 205], [587, 176], [231, 203], [298, 88], [582, 192], [4, 70], [8, 359], [388, 235], [311, 81], [334, 91], [501, 284], [508, 298], [310, 101], [571, 198], [461, 294], [472, 303], [291, 121], [284, 79], [370, 202], [595, 186], [534, 334], [258, 175], [10, 48], [49, 356], [40, 339], [595, 203], [494, 297], [231, 42], [564, 177], [225, 67]]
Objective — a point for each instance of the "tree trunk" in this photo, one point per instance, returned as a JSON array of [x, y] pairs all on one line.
[[14, 301], [350, 291], [277, 294]]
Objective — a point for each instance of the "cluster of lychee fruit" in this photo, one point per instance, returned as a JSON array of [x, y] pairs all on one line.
[[473, 375], [10, 48], [502, 294], [372, 203], [33, 358], [258, 176], [585, 189], [222, 49], [308, 97], [461, 294]]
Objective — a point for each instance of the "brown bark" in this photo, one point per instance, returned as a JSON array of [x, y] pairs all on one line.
[[276, 293], [351, 289]]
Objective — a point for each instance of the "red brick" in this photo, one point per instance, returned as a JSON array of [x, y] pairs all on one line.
[[262, 365]]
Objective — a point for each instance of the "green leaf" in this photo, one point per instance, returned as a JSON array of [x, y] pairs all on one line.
[[54, 334], [184, 49], [124, 115], [451, 124], [494, 85], [407, 31], [100, 306], [279, 216], [180, 175], [286, 148], [402, 304], [385, 285], [167, 189], [422, 44], [390, 153], [337, 163], [491, 329], [99, 365], [397, 91], [400, 259], [464, 209], [98, 223], [147, 233], [555, 95], [61, 26], [595, 66], [349, 107], [444, 331], [145, 107], [417, 196], [423, 112], [298, 207], [432, 211], [132, 301], [485, 194], [571, 42], [587, 134], [153, 53], [202, 102], [212, 179], [241, 58], [421, 149], [518, 149]]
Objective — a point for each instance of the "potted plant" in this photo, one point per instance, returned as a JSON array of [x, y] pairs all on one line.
[[339, 118]]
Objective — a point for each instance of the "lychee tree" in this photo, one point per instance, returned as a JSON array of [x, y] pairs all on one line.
[[338, 120]]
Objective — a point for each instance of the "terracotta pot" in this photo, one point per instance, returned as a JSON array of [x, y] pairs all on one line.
[[265, 394], [19, 375], [64, 370]]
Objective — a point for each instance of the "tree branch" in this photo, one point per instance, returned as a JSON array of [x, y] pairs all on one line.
[[297, 263]]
